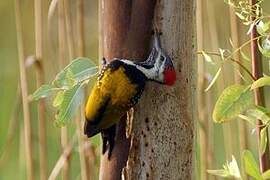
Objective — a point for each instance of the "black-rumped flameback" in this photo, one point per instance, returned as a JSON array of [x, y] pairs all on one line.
[[119, 86]]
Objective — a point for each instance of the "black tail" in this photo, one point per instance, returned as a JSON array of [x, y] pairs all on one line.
[[90, 129], [108, 137]]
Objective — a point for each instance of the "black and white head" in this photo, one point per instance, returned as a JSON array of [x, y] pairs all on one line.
[[158, 66]]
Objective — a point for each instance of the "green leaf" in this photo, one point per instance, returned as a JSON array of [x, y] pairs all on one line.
[[263, 27], [213, 80], [251, 166], [265, 47], [263, 137], [234, 100], [233, 168], [260, 113], [70, 79], [229, 2], [263, 81], [72, 99], [79, 70], [240, 15], [266, 174], [247, 23], [44, 91], [230, 170], [58, 99]]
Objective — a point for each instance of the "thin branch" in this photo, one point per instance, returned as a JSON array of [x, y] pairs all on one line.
[[64, 158], [24, 90], [83, 164], [258, 93], [13, 125], [233, 60], [64, 144], [244, 44], [230, 57]]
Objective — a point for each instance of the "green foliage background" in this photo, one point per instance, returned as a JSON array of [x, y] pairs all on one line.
[[13, 167], [216, 33]]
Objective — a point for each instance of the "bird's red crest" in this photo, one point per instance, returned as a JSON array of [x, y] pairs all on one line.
[[169, 76]]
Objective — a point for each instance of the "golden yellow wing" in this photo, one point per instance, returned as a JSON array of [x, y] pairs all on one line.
[[109, 100]]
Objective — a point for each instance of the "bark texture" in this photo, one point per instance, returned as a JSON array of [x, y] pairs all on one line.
[[162, 132], [125, 31]]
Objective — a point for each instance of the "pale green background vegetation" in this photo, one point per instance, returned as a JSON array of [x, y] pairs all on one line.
[[216, 34]]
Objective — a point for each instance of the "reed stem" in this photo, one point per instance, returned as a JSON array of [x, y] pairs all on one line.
[[202, 106], [71, 52], [62, 51], [242, 127], [84, 159], [24, 91], [40, 78]]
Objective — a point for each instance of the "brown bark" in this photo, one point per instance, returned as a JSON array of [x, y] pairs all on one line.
[[257, 72], [163, 128], [125, 30]]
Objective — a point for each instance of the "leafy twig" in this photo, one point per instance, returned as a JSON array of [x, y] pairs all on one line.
[[233, 60]]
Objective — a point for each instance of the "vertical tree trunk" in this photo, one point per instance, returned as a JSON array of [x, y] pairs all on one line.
[[162, 129], [125, 30]]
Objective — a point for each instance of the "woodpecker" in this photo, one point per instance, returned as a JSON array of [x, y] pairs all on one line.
[[119, 86]]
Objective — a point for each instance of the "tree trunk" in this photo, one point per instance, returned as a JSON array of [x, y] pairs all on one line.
[[162, 128], [125, 29]]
